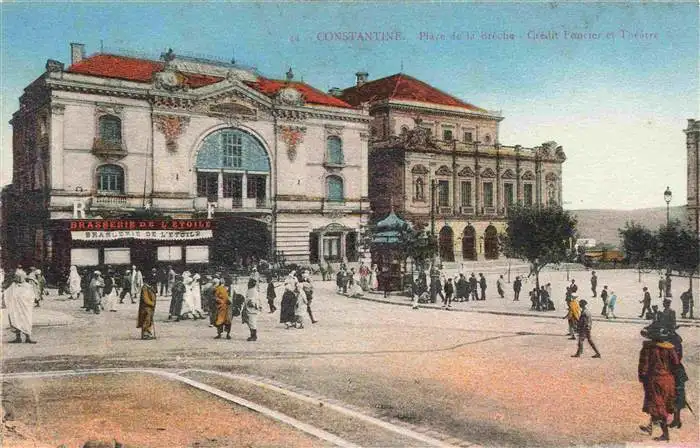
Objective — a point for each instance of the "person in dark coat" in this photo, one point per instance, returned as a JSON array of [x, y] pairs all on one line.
[[668, 285], [687, 301], [604, 297], [681, 378], [594, 284], [461, 288], [473, 285], [126, 286], [646, 301], [85, 278], [517, 286], [271, 294], [482, 285], [178, 294], [288, 304], [163, 280], [449, 291]]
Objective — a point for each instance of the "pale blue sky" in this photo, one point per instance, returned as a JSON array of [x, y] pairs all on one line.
[[617, 106]]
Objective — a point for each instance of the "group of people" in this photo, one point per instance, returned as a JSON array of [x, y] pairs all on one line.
[[429, 285], [296, 300], [356, 283]]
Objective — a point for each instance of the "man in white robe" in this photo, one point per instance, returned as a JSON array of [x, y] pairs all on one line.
[[136, 283], [19, 299]]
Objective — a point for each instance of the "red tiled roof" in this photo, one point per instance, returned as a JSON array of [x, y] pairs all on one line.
[[402, 87], [270, 87], [132, 69]]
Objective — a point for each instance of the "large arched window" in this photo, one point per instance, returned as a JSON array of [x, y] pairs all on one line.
[[334, 150], [110, 129], [110, 179], [334, 185]]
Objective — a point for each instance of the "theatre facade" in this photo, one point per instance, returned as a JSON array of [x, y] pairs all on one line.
[[120, 160]]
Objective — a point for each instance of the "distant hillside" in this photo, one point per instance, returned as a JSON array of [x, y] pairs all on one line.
[[603, 225]]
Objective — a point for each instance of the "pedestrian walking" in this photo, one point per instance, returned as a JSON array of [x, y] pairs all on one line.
[[223, 309], [517, 286], [657, 362], [177, 294], [573, 286], [646, 302], [594, 283], [109, 298], [96, 290], [19, 301], [461, 289], [309, 291], [482, 285], [374, 278], [288, 302], [171, 279], [196, 291], [251, 309], [573, 314], [126, 286], [681, 377], [604, 296], [687, 301], [474, 286], [436, 287], [500, 283], [668, 285], [271, 295], [301, 304], [667, 316], [449, 291], [74, 283], [612, 302], [147, 309], [136, 281], [163, 281], [662, 286], [585, 325]]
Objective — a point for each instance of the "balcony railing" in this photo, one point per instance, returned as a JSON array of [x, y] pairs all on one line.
[[109, 147], [110, 200], [237, 203]]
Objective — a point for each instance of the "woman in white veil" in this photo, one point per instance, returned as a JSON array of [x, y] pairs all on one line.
[[74, 283], [196, 291]]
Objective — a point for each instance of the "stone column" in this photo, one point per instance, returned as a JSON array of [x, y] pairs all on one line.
[[220, 186], [320, 248], [56, 147], [244, 187], [499, 201], [343, 254]]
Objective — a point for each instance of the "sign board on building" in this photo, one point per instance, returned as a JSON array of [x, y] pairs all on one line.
[[141, 229]]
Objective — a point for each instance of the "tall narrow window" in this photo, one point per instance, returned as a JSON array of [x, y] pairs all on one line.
[[466, 194], [208, 185], [527, 194], [110, 129], [447, 135], [509, 196], [110, 178], [334, 148], [443, 193], [335, 189], [468, 137], [232, 149], [488, 194]]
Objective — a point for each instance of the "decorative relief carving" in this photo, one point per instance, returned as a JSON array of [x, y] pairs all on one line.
[[488, 173], [333, 130], [466, 172], [58, 109], [508, 174], [419, 169], [172, 127], [292, 136], [108, 109], [528, 175], [443, 171], [551, 177]]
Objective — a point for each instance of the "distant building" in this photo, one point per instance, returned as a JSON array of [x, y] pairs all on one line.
[[692, 136], [429, 149], [121, 160]]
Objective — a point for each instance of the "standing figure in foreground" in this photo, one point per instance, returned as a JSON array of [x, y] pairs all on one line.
[[646, 302], [271, 294], [223, 306], [594, 283], [657, 362], [309, 291], [136, 282], [251, 309], [147, 309], [500, 283], [74, 283], [687, 301], [517, 285], [19, 300], [585, 324]]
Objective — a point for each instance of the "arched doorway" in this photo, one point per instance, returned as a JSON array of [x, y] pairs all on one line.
[[446, 244], [469, 243], [491, 243]]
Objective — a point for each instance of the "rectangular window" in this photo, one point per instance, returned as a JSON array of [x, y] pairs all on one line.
[[233, 185], [117, 255], [509, 196], [468, 137], [170, 253], [197, 254], [447, 135], [443, 193], [466, 194], [233, 150], [109, 182], [331, 247], [527, 194], [488, 194], [84, 257], [208, 185]]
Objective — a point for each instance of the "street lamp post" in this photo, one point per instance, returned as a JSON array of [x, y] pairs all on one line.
[[667, 197]]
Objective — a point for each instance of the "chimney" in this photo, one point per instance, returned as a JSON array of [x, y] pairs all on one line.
[[77, 52], [361, 78], [335, 91]]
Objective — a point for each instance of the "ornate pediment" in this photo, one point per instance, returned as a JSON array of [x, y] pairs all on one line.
[[443, 171], [508, 174], [466, 172], [488, 173], [528, 175], [229, 106], [419, 169]]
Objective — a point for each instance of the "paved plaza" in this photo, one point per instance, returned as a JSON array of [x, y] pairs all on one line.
[[489, 373]]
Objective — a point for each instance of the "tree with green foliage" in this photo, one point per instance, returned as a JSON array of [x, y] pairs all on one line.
[[538, 235], [639, 245], [677, 250]]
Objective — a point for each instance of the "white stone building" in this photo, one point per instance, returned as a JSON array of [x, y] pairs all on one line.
[[249, 166]]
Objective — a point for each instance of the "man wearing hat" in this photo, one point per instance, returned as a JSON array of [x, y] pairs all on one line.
[[646, 302], [657, 363], [585, 323], [667, 317]]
